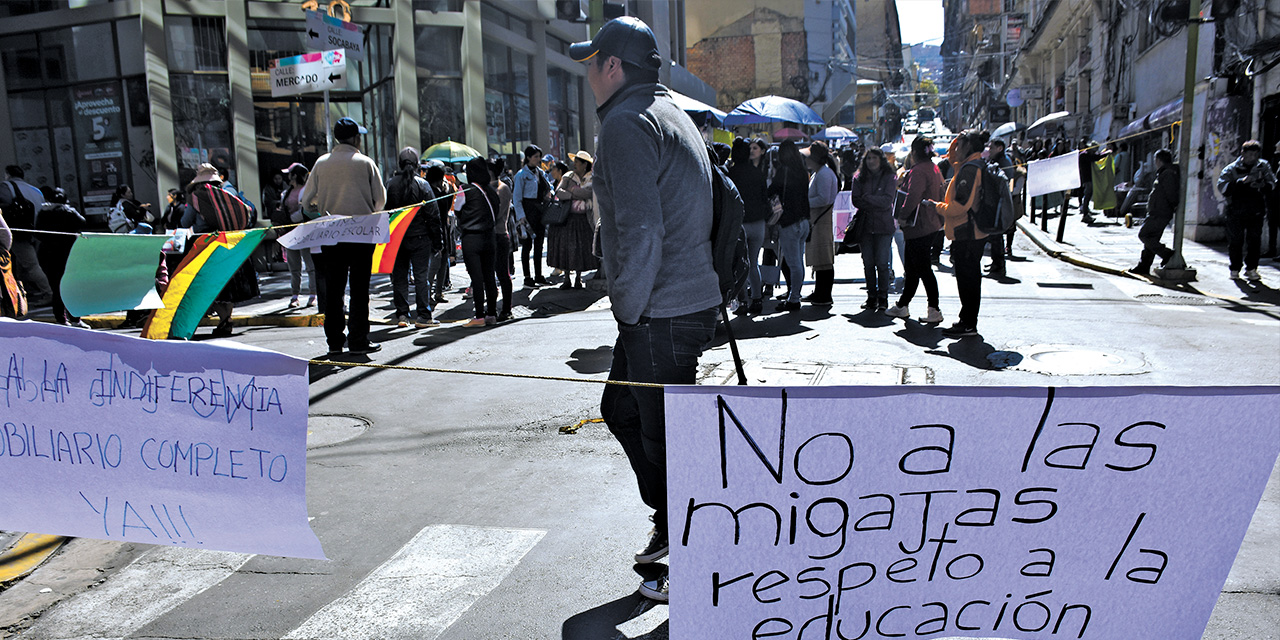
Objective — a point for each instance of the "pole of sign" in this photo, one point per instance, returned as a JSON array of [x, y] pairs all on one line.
[[1176, 269], [328, 129]]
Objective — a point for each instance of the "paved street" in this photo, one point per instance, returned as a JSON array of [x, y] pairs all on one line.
[[452, 507]]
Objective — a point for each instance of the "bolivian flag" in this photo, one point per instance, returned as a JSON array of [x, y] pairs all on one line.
[[213, 259], [384, 255]]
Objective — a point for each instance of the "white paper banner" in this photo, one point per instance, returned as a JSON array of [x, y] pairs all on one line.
[[370, 229], [1051, 175]]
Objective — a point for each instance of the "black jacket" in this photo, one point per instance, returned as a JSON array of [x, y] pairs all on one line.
[[479, 210], [754, 189], [406, 189], [794, 191], [1165, 193]]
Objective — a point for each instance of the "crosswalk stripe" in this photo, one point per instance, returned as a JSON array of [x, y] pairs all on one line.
[[425, 587], [148, 588]]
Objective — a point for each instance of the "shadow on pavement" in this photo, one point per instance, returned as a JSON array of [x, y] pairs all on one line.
[[597, 360], [869, 318], [602, 621], [972, 351], [921, 335]]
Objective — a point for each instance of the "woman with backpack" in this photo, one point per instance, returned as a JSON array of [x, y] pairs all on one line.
[[872, 194], [921, 226], [476, 205], [967, 240]]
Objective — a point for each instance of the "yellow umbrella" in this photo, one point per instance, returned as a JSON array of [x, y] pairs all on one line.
[[450, 151]]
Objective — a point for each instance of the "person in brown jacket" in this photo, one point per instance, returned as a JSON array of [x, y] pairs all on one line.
[[967, 241]]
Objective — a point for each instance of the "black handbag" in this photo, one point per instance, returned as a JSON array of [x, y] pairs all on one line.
[[556, 213]]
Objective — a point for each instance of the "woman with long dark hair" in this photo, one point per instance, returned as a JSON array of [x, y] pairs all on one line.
[[872, 193], [791, 184], [477, 205], [503, 265], [820, 251], [753, 188], [920, 225]]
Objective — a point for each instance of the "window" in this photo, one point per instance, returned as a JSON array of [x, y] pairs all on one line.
[[507, 110], [196, 44], [439, 61], [437, 5], [564, 91]]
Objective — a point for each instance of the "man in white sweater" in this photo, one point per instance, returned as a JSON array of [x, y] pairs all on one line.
[[346, 182]]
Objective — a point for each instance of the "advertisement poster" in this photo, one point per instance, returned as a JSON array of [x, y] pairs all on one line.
[[99, 127]]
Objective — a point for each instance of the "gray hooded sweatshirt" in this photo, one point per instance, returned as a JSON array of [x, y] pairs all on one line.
[[653, 189]]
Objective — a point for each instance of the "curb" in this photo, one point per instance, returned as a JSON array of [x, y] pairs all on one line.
[[1055, 250], [26, 554], [268, 320]]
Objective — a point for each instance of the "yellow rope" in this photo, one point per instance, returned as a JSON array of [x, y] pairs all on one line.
[[573, 428], [528, 376]]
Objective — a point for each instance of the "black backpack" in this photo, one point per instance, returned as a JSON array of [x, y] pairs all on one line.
[[728, 247], [993, 212], [20, 213]]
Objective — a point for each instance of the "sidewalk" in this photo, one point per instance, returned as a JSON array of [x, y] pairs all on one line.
[[1109, 247]]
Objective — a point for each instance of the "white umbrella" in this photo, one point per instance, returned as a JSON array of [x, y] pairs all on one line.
[[1005, 129], [1051, 118], [836, 134]]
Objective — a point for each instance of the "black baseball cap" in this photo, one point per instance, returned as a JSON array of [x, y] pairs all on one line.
[[347, 128], [628, 38]]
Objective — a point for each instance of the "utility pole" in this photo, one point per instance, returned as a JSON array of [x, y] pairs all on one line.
[[1177, 269]]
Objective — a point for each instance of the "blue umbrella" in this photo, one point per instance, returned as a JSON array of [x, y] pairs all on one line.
[[773, 109], [691, 106]]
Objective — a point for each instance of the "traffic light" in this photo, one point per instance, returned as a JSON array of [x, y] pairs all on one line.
[[572, 10]]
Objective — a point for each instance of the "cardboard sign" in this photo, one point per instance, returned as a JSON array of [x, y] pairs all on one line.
[[370, 229], [1051, 175], [885, 512], [195, 444]]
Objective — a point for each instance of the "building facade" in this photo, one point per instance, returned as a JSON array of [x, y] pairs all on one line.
[[100, 93]]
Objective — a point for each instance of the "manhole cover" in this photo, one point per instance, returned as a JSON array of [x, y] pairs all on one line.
[[1162, 298], [328, 430], [1065, 360]]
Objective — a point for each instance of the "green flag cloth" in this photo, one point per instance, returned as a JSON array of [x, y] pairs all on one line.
[[208, 266], [112, 272]]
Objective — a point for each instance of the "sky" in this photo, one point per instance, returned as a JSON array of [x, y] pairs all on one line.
[[920, 21]]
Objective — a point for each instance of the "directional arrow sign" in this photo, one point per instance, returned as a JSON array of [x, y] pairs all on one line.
[[325, 32], [308, 72]]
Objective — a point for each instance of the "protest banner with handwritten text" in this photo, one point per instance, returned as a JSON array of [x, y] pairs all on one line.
[[330, 230], [190, 444], [875, 512]]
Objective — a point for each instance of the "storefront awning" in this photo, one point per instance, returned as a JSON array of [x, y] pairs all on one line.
[[1166, 114]]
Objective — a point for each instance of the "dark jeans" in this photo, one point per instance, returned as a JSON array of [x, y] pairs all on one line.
[[966, 257], [533, 244], [1244, 239], [1150, 233], [919, 268], [997, 242], [877, 264], [662, 350], [414, 252], [502, 265], [347, 262], [477, 254]]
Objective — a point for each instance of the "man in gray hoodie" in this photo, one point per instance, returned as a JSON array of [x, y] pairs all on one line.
[[653, 190]]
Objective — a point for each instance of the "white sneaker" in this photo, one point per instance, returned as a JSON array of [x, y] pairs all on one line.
[[1252, 275], [934, 316], [1235, 275], [655, 589], [897, 312]]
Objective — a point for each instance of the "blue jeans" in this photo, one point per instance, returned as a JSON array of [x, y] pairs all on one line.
[[877, 264], [791, 241], [662, 350], [755, 240], [415, 252]]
